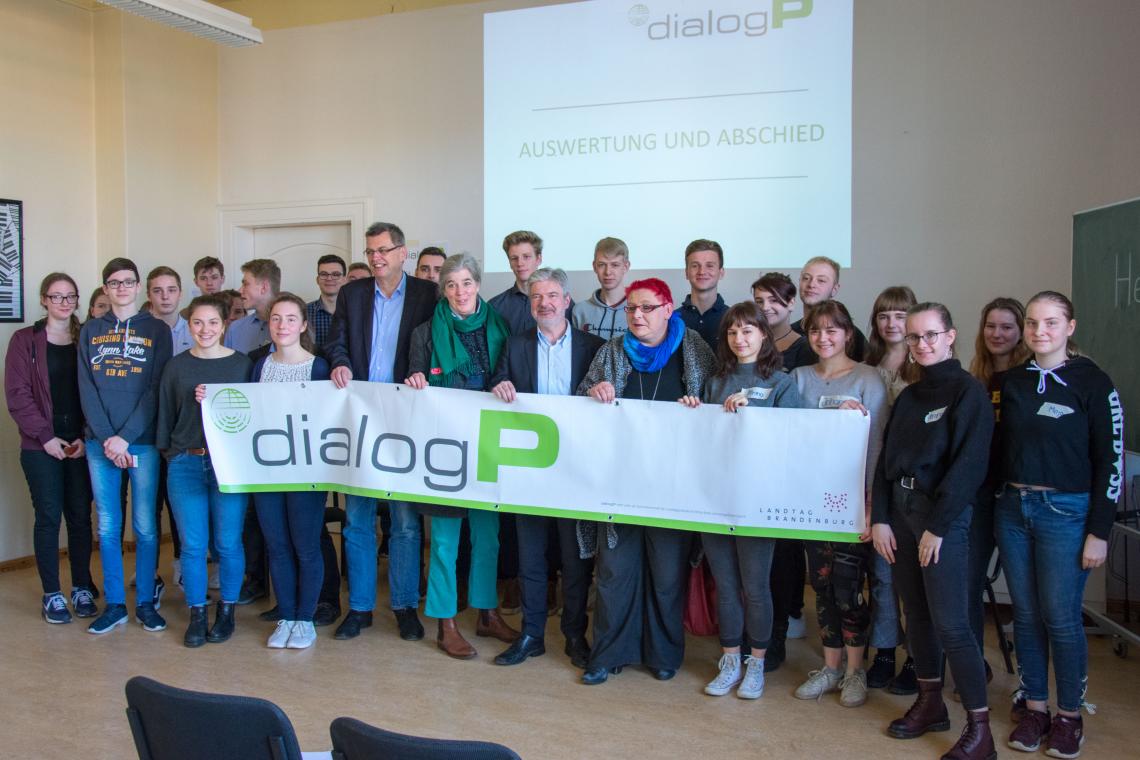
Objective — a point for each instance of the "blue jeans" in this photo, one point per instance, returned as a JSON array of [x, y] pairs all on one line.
[[1041, 536], [403, 554], [291, 523], [199, 509], [106, 480], [886, 626]]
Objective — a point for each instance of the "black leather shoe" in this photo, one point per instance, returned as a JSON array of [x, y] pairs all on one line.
[[223, 623], [411, 629], [349, 628], [325, 614], [599, 675], [578, 651], [196, 631], [524, 647], [271, 615], [251, 592], [662, 674]]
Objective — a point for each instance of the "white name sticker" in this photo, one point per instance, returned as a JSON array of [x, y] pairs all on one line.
[[935, 415], [757, 392], [833, 402], [1056, 411]]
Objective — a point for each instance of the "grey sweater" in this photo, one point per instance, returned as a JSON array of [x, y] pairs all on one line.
[[779, 390], [863, 384]]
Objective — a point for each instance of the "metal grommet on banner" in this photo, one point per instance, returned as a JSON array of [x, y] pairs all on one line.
[[302, 385], [609, 517], [731, 528], [617, 403]]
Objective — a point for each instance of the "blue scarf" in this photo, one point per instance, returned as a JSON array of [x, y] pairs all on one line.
[[652, 358]]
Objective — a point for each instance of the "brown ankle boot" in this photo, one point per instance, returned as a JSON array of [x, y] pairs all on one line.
[[451, 641], [976, 741], [928, 713], [491, 623]]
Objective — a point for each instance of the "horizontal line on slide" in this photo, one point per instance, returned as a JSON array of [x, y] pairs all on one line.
[[668, 182], [668, 100]]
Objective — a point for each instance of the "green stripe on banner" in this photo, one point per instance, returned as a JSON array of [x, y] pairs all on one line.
[[806, 535]]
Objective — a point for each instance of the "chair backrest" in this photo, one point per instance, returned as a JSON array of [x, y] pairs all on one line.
[[355, 740], [176, 724]]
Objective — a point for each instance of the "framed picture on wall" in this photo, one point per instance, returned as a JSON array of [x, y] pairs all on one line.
[[11, 261]]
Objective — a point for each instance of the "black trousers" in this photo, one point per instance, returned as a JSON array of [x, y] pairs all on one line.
[[534, 539], [330, 586], [61, 490], [935, 599], [639, 609], [256, 560], [789, 566], [982, 543]]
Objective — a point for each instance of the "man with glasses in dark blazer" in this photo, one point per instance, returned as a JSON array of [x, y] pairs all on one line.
[[368, 340]]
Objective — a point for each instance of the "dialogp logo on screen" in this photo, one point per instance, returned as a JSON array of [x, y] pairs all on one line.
[[675, 26]]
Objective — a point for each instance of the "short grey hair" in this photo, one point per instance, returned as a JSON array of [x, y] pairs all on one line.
[[461, 261], [549, 274], [379, 228]]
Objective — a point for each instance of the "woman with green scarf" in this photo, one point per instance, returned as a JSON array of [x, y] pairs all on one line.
[[459, 348]]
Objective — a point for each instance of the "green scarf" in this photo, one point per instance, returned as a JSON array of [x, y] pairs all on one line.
[[449, 358]]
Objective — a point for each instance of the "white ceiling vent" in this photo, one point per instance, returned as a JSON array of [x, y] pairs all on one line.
[[197, 17]]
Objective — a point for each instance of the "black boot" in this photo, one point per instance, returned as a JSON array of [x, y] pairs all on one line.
[[196, 631], [223, 623]]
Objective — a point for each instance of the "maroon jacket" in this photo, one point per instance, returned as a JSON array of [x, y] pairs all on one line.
[[26, 386]]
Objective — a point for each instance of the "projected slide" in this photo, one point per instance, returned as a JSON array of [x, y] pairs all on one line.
[[662, 122]]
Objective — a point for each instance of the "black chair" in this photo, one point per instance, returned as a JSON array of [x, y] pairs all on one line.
[[354, 740], [176, 724]]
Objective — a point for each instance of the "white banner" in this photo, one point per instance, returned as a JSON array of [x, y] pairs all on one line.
[[759, 472]]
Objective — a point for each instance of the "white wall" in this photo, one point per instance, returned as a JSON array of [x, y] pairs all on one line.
[[47, 160], [980, 128], [109, 136]]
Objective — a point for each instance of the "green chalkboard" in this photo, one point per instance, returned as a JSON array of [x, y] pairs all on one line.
[[1106, 295]]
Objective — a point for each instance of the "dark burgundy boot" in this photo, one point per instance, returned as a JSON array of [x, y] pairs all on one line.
[[928, 713], [976, 741]]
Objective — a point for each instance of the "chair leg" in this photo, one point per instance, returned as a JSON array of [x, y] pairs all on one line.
[[1003, 640], [139, 734]]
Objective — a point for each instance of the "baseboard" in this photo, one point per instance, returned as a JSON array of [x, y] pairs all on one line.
[[20, 563]]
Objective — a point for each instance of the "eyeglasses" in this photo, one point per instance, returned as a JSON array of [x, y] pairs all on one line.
[[382, 251], [116, 284], [329, 275], [57, 298], [645, 308], [928, 338]]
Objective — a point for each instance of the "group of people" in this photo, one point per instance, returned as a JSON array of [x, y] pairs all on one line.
[[1022, 450]]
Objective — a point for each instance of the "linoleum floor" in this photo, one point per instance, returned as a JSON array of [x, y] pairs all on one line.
[[62, 692]]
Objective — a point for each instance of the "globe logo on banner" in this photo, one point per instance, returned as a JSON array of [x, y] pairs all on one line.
[[639, 14], [231, 410]]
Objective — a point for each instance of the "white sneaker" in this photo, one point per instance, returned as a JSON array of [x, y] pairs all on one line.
[[280, 636], [304, 635], [752, 687], [854, 689], [176, 569], [797, 627], [820, 682], [728, 677]]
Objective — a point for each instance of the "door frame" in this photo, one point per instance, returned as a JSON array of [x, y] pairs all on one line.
[[238, 221]]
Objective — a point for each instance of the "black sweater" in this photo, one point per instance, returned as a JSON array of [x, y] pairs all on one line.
[[939, 433], [1065, 429]]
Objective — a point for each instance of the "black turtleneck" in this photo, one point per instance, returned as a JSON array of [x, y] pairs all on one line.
[[939, 433]]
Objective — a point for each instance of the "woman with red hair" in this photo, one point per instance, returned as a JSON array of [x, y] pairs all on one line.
[[641, 571]]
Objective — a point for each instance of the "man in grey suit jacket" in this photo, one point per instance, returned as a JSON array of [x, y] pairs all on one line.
[[550, 359], [368, 340]]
